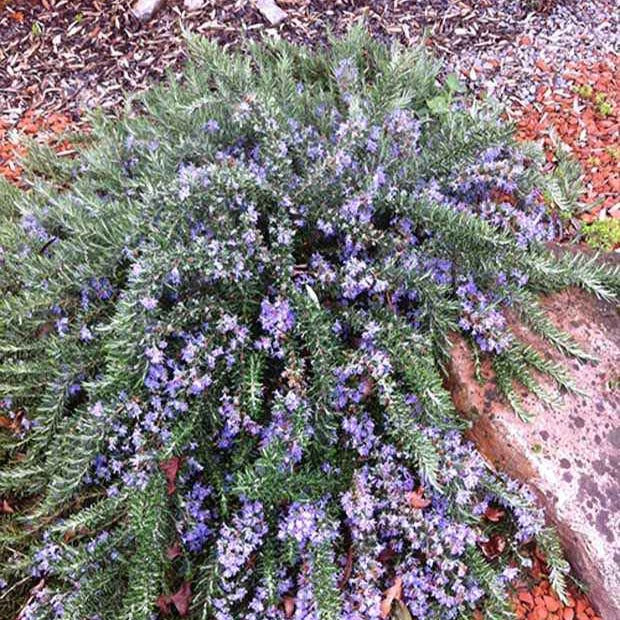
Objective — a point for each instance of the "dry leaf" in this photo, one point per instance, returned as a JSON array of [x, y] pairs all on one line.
[[163, 602], [174, 551], [171, 469], [494, 514], [182, 598], [289, 606], [416, 499], [6, 508], [69, 535], [493, 547], [12, 424], [392, 594]]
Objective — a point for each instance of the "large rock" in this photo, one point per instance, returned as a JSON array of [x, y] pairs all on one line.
[[569, 454]]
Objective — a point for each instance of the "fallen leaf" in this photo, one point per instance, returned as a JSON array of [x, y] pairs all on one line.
[[12, 424], [493, 547], [71, 533], [289, 606], [163, 602], [416, 499], [392, 594], [6, 508], [5, 422], [182, 598], [171, 469], [174, 551], [494, 514]]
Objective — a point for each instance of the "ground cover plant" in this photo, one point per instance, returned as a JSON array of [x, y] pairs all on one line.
[[223, 329]]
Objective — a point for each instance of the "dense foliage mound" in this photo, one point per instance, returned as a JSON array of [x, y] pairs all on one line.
[[222, 335]]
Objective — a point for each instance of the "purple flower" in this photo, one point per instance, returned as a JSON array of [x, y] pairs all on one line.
[[149, 303], [306, 524], [276, 317], [85, 334]]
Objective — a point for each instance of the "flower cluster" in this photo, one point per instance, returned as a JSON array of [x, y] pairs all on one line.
[[200, 516], [490, 189], [44, 559], [482, 318], [235, 545], [419, 541], [276, 319]]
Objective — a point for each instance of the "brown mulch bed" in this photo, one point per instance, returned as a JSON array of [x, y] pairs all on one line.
[[68, 55]]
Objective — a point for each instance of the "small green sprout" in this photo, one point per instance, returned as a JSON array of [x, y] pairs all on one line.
[[36, 29], [603, 234], [585, 91], [613, 152]]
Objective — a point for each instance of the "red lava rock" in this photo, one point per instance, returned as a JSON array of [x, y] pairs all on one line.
[[540, 611], [44, 129], [588, 126], [552, 603], [536, 603]]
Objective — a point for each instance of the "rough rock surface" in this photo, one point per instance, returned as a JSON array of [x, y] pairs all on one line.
[[570, 453]]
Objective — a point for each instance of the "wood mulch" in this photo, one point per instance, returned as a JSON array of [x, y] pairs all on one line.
[[49, 129], [70, 55]]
